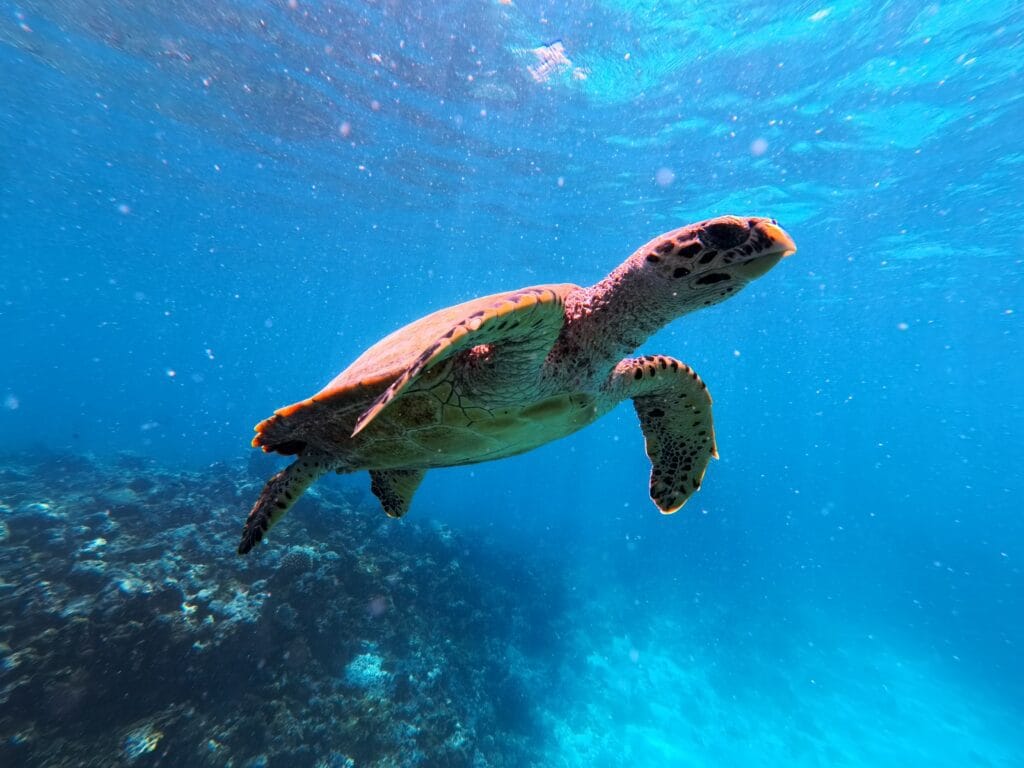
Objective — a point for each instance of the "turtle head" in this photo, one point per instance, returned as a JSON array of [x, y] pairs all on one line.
[[707, 262]]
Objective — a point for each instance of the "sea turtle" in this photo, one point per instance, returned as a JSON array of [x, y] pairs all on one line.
[[503, 374]]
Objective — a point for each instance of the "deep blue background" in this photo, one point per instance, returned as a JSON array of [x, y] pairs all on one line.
[[206, 213]]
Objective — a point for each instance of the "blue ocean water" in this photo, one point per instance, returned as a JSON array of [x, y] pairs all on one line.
[[207, 210]]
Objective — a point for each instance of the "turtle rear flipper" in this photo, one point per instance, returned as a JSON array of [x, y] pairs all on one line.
[[395, 488], [279, 495], [675, 415]]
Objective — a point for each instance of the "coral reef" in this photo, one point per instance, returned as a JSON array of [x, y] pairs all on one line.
[[130, 633]]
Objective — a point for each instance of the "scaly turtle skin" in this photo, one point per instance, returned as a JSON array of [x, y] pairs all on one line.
[[503, 374]]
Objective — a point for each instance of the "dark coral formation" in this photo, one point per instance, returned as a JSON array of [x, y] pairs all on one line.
[[131, 634]]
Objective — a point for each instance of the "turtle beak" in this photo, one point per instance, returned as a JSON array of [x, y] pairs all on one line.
[[780, 241], [773, 244]]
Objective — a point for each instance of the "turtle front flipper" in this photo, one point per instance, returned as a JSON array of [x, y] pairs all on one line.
[[279, 494], [675, 415], [528, 320]]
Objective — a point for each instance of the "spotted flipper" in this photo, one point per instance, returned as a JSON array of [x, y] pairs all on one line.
[[675, 415], [278, 496], [531, 316], [395, 487]]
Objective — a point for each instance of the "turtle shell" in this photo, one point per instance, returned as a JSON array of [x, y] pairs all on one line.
[[332, 412]]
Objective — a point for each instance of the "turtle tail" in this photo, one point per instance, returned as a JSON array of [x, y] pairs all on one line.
[[279, 494]]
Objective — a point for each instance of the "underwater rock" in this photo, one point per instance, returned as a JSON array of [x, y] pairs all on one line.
[[130, 633]]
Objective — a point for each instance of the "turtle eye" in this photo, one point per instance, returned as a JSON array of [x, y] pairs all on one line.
[[723, 234]]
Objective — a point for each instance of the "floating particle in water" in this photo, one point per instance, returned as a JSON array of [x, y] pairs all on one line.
[[820, 15], [561, 181], [124, 209], [902, 326], [11, 402], [377, 606], [664, 177], [551, 60], [171, 373], [209, 353], [758, 147], [345, 129]]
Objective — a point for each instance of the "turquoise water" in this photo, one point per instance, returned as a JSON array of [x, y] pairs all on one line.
[[207, 210]]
